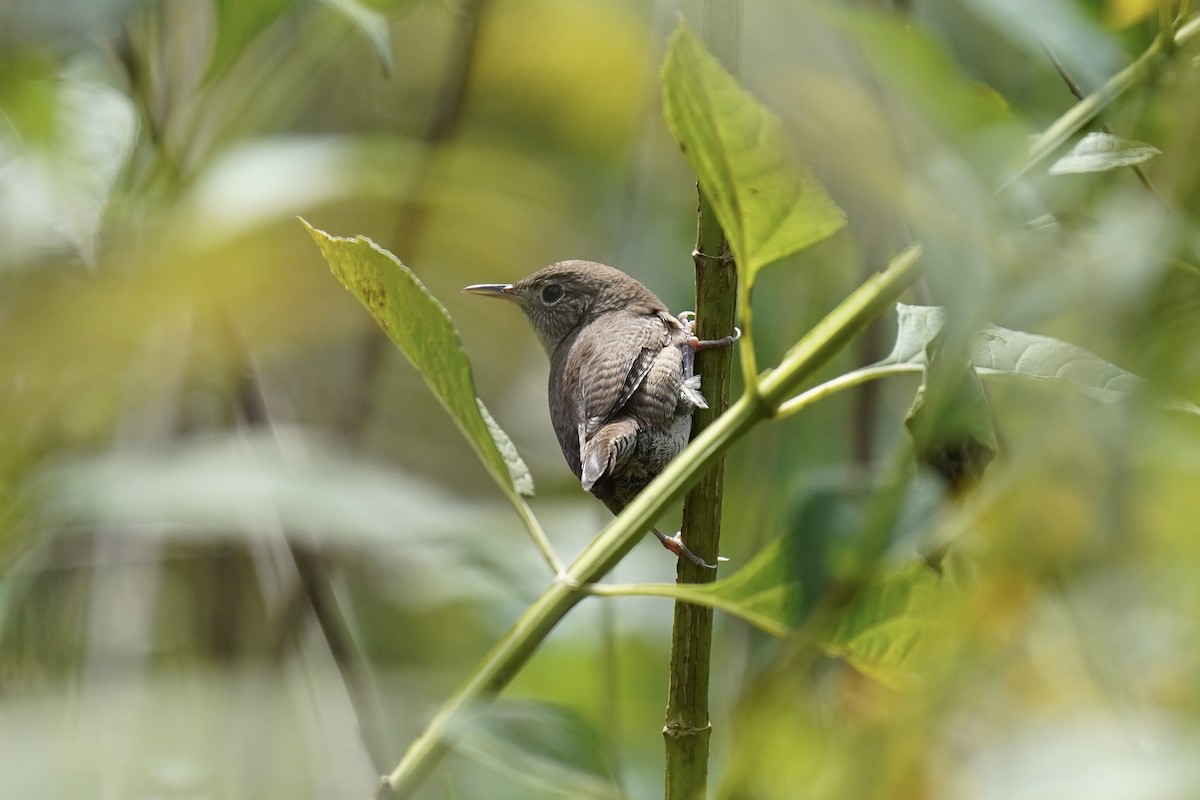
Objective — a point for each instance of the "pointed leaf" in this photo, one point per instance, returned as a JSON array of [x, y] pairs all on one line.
[[1000, 351], [891, 630], [421, 327], [768, 203], [1098, 152]]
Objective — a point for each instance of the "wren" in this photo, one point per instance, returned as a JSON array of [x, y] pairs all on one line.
[[622, 389]]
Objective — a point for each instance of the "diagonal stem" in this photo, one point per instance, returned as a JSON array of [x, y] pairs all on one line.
[[1086, 109]]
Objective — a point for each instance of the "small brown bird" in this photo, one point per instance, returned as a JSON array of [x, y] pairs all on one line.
[[622, 390]]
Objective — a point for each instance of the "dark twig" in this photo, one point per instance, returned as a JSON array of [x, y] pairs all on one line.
[[1077, 90]]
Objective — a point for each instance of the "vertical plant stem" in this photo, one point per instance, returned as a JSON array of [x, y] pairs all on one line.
[[687, 729]]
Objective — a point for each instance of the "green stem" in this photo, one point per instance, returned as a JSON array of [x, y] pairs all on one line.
[[1086, 109], [746, 343], [540, 540], [674, 591], [838, 328], [686, 727], [842, 382], [623, 533]]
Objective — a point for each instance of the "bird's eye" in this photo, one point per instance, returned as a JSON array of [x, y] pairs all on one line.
[[552, 293]]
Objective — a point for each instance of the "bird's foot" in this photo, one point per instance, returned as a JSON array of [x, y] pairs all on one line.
[[708, 344], [675, 545], [688, 318]]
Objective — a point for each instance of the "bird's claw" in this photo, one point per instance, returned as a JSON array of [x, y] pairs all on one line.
[[708, 344], [675, 545], [688, 318]]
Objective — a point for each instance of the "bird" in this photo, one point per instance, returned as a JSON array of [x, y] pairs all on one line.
[[622, 387]]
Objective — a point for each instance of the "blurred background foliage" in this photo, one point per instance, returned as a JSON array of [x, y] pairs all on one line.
[[243, 553]]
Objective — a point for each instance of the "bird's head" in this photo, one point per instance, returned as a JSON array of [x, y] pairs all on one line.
[[562, 296]]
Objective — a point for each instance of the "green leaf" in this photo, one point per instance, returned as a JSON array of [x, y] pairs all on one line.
[[951, 421], [1098, 152], [1000, 351], [831, 525], [521, 478], [891, 630], [421, 327], [768, 203]]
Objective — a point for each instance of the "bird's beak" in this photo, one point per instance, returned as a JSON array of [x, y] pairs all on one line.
[[501, 290]]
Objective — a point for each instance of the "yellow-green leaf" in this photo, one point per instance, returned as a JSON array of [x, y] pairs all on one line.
[[421, 327], [768, 203], [892, 628]]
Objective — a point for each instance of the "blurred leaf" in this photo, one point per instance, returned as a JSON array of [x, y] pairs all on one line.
[[1089, 53], [1123, 13], [238, 23], [287, 482], [911, 61], [234, 732], [951, 422], [30, 21], [54, 192], [542, 746], [220, 484], [1098, 152], [1000, 351], [372, 24], [888, 630], [892, 627], [29, 97], [768, 203], [422, 329], [829, 526]]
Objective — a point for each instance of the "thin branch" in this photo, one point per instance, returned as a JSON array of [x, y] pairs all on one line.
[[842, 383], [710, 602], [1086, 109], [541, 541], [1077, 90]]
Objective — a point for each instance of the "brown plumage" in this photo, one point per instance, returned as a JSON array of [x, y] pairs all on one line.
[[621, 386]]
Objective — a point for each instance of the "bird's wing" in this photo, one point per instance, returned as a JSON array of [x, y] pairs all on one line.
[[616, 367]]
